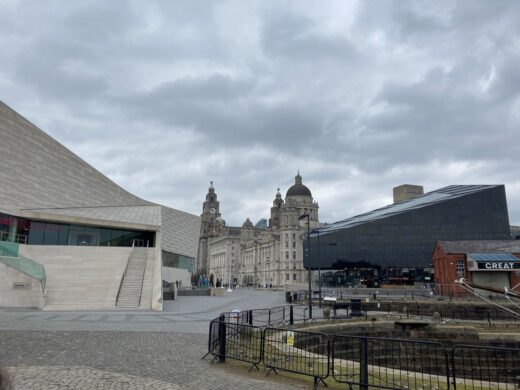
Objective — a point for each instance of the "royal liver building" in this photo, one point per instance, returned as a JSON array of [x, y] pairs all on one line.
[[265, 254]]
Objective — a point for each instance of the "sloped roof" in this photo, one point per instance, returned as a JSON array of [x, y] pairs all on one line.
[[481, 246], [482, 257], [41, 178], [39, 172], [428, 199]]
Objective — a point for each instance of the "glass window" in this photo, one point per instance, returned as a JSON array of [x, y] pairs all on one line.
[[459, 267], [48, 233], [63, 235], [294, 255], [36, 233], [105, 237], [22, 230], [293, 276], [51, 235], [83, 236], [117, 238], [5, 223]]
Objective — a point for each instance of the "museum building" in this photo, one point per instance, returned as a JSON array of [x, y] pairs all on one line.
[[70, 238], [394, 244]]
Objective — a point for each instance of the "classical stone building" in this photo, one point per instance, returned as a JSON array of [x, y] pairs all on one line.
[[258, 255]]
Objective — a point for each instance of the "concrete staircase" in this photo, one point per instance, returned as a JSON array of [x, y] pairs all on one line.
[[80, 278], [132, 284]]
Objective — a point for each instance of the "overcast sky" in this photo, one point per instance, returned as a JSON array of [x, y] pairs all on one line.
[[360, 96]]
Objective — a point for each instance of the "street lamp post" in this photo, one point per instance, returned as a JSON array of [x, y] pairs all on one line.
[[319, 268], [307, 216]]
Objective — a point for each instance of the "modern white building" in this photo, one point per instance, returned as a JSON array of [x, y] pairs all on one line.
[[96, 245]]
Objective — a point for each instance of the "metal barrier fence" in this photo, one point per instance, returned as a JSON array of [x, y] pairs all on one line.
[[258, 337], [295, 314], [475, 367], [297, 351], [474, 314], [365, 362], [213, 340], [244, 343], [389, 363]]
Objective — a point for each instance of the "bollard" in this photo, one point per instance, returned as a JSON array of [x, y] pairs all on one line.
[[222, 340], [291, 315], [250, 317], [326, 313], [363, 364]]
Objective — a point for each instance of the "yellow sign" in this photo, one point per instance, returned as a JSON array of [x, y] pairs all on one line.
[[290, 338]]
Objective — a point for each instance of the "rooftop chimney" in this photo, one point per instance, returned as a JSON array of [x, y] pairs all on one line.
[[407, 191]]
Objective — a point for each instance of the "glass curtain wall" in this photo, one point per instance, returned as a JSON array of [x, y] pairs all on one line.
[[47, 233]]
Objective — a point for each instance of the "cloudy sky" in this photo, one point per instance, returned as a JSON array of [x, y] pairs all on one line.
[[360, 96]]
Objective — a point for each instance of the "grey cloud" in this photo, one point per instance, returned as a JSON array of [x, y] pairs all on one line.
[[227, 112], [294, 38], [164, 97], [217, 87], [506, 87]]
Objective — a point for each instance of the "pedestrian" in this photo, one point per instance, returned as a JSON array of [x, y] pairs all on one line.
[[5, 383]]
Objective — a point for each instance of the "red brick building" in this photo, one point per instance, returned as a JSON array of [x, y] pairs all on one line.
[[491, 263]]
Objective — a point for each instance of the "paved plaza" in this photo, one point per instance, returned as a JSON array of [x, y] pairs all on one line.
[[126, 349]]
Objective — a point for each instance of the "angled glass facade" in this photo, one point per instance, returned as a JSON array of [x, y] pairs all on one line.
[[32, 232], [175, 260], [403, 235]]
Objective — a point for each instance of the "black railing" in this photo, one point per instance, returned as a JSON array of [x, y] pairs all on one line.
[[389, 363], [258, 338], [244, 343], [304, 353], [282, 315], [485, 368]]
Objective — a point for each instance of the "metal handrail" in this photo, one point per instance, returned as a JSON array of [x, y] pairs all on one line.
[[142, 278], [123, 277], [18, 238]]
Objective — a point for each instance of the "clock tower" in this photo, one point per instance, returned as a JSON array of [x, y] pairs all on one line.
[[210, 213]]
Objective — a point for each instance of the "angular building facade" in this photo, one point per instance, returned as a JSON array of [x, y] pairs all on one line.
[[397, 241], [95, 240]]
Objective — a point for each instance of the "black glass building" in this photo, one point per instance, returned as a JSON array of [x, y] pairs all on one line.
[[402, 236]]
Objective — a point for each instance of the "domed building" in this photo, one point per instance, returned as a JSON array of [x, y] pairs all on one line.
[[268, 254]]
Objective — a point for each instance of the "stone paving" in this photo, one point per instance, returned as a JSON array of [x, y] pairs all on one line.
[[141, 350], [187, 315]]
